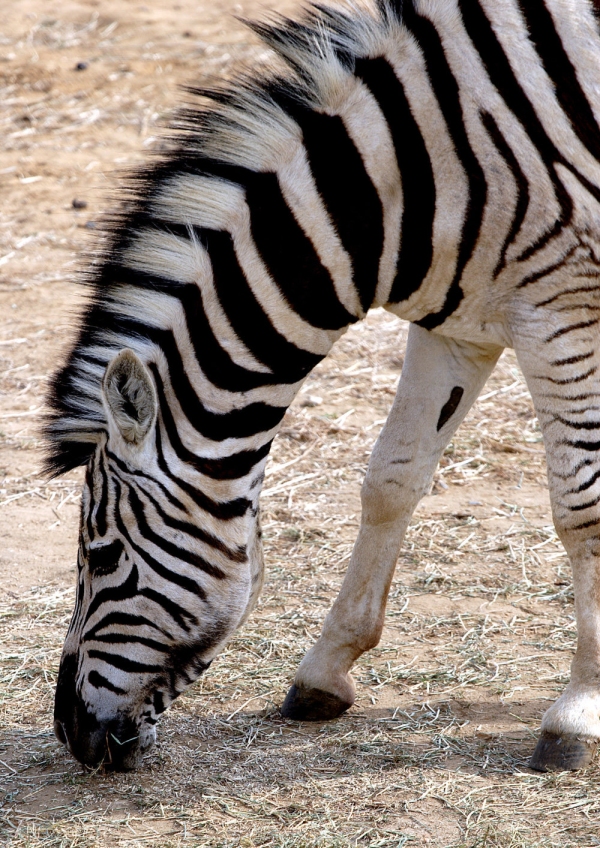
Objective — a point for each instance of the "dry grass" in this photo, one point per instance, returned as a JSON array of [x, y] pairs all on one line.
[[480, 627]]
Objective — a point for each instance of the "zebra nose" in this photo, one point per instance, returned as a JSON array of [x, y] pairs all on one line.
[[113, 743], [110, 745]]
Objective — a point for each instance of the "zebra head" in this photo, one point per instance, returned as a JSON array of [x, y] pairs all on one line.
[[165, 575]]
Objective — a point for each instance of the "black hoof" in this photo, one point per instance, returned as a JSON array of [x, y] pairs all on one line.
[[561, 753], [312, 705]]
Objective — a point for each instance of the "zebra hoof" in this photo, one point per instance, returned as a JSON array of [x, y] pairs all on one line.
[[312, 705], [561, 753]]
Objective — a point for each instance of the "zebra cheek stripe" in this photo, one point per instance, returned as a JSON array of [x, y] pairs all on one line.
[[440, 159]]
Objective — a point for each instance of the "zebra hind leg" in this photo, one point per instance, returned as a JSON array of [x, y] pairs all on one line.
[[563, 374], [440, 380]]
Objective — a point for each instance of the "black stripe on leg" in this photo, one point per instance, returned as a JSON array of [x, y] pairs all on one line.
[[586, 485], [450, 407], [588, 505], [585, 525], [580, 444], [580, 325], [571, 360]]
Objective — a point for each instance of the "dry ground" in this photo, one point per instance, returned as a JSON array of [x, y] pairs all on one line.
[[480, 627]]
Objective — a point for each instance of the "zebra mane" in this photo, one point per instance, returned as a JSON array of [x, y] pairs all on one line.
[[244, 125]]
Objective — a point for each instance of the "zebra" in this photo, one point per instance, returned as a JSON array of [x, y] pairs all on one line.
[[439, 158]]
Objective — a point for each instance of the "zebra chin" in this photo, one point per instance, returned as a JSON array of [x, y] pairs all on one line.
[[116, 742]]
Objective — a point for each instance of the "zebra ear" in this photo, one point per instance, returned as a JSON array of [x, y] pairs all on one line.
[[130, 396]]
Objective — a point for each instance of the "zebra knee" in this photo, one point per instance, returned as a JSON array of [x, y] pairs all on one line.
[[387, 496]]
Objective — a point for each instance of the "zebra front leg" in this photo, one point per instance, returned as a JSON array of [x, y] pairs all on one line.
[[440, 380], [564, 380]]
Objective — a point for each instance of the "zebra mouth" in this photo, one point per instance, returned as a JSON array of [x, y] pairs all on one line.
[[109, 746], [116, 743]]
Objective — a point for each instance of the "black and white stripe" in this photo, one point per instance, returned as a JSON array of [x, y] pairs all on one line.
[[437, 157]]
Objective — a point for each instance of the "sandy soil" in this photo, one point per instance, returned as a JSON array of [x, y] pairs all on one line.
[[480, 627]]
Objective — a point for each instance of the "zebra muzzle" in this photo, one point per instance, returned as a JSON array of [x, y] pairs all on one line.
[[112, 743]]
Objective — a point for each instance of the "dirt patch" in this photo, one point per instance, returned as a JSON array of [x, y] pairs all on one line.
[[480, 628]]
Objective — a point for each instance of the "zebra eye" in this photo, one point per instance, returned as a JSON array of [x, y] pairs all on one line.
[[105, 560]]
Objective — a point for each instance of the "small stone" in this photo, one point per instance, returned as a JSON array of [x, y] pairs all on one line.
[[90, 225], [311, 400], [78, 204], [475, 503], [81, 66]]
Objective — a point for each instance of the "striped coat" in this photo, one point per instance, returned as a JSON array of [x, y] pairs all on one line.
[[440, 158]]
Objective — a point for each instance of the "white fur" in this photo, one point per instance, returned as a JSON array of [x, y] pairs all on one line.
[[543, 326]]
